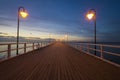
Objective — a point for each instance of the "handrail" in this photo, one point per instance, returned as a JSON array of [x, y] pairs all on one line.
[[8, 47], [105, 45], [89, 47]]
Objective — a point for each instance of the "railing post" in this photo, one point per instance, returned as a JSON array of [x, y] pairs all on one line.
[[41, 44], [24, 47], [9, 51], [88, 46], [80, 47], [77, 45], [38, 45], [44, 43], [74, 45], [47, 43], [101, 47], [33, 46]]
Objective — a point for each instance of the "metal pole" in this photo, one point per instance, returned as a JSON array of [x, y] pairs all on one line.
[[17, 52], [94, 18], [95, 31], [18, 32]]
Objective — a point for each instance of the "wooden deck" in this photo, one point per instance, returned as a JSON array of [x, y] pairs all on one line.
[[57, 62]]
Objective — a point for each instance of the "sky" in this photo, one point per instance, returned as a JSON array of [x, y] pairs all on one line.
[[62, 17]]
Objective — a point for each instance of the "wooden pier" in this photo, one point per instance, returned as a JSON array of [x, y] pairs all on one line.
[[57, 62]]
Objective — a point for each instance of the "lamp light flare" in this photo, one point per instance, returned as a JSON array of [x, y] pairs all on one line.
[[23, 14], [90, 16]]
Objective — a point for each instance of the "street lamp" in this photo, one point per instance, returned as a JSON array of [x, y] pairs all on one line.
[[21, 13], [91, 15]]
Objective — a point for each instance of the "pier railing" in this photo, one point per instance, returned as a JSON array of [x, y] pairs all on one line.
[[109, 53], [8, 50]]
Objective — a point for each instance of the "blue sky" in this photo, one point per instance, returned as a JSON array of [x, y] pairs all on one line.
[[61, 17]]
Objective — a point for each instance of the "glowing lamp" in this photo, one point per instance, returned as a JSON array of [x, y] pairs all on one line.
[[23, 14], [90, 16]]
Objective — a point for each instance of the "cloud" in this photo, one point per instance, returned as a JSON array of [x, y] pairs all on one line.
[[1, 33], [56, 20], [5, 21], [4, 18], [22, 39], [4, 24]]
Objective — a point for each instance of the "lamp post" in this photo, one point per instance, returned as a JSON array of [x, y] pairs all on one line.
[[91, 15], [21, 12]]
